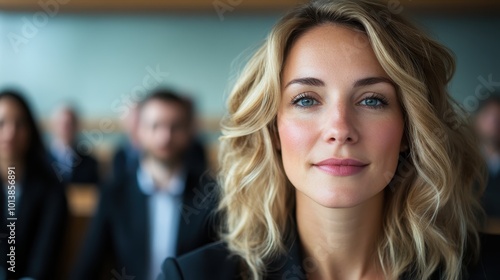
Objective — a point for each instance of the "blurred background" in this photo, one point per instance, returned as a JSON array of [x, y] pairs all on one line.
[[96, 54], [102, 56]]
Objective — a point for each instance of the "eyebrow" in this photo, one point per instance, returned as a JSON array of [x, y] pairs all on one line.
[[373, 80], [309, 81]]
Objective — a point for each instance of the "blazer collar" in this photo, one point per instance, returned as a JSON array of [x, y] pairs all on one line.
[[293, 265], [290, 265]]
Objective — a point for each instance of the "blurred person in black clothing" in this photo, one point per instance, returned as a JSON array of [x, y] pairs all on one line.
[[196, 156], [40, 202], [162, 209], [126, 157], [71, 162], [487, 123]]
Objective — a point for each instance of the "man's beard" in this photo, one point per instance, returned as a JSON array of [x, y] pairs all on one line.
[[492, 142], [167, 161]]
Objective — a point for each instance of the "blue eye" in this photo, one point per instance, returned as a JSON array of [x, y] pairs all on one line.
[[374, 102], [371, 102], [304, 101]]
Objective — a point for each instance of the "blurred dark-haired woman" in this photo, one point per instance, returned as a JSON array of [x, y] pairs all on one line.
[[33, 203]]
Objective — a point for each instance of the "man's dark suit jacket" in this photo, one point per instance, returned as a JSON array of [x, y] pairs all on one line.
[[491, 196], [214, 261], [121, 226], [125, 160], [41, 219], [85, 169]]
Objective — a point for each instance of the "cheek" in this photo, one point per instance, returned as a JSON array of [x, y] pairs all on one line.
[[296, 137], [384, 142], [145, 136], [389, 136], [181, 141]]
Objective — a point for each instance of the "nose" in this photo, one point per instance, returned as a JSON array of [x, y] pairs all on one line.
[[340, 125], [164, 134]]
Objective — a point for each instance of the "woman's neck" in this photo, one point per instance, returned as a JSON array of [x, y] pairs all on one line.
[[342, 242]]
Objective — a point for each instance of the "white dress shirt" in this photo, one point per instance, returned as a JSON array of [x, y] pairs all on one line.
[[164, 211]]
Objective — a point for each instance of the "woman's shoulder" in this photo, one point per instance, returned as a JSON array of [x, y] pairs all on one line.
[[215, 261], [212, 261], [488, 266]]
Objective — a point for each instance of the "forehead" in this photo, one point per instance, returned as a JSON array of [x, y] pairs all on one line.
[[157, 109], [331, 50], [65, 114], [10, 107]]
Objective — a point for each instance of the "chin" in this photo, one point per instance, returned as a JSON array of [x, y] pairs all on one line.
[[335, 201], [165, 157], [341, 196]]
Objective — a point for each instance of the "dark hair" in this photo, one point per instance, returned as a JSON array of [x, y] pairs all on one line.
[[36, 150], [170, 96]]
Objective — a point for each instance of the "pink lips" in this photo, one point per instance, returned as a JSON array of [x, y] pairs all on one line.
[[341, 167]]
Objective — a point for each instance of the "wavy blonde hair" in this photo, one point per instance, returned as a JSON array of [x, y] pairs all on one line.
[[432, 202]]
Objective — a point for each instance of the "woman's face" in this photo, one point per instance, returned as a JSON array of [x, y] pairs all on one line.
[[340, 124], [14, 132]]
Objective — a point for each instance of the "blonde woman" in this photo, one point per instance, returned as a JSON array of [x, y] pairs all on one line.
[[343, 158]]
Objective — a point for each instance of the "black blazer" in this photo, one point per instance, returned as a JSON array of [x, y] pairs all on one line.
[[121, 227], [41, 220], [125, 160], [85, 169], [214, 262], [491, 196]]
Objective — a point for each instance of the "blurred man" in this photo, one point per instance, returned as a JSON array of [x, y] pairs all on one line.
[[70, 164], [487, 124], [163, 210], [126, 157]]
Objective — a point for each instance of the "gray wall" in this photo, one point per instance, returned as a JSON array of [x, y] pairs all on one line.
[[475, 40], [100, 60]]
